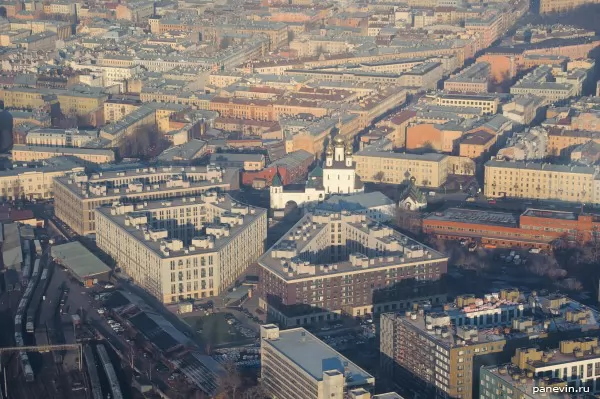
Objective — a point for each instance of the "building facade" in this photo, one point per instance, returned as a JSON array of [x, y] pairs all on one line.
[[76, 196], [572, 368], [186, 248], [537, 180], [28, 153], [438, 352], [429, 170], [534, 228], [297, 365], [331, 263]]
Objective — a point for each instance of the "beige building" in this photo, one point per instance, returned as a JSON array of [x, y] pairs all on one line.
[[429, 170], [488, 104], [28, 153], [473, 79], [26, 97], [59, 137], [77, 196], [185, 248], [531, 366], [115, 109], [297, 365], [541, 181], [80, 103], [34, 183], [557, 6]]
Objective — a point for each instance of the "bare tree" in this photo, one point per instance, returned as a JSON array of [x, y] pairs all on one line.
[[230, 382], [255, 392], [142, 143], [379, 176]]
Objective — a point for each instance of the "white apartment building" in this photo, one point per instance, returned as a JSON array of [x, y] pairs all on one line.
[[187, 248], [297, 365]]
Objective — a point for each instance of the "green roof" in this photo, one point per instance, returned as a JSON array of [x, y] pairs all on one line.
[[277, 180], [316, 172], [78, 259]]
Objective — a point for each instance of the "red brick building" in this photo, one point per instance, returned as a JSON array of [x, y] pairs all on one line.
[[534, 228], [292, 168]]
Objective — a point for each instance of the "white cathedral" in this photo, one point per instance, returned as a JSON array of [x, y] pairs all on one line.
[[337, 176]]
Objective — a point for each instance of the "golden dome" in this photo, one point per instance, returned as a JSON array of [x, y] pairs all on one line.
[[348, 148], [338, 139], [329, 150]]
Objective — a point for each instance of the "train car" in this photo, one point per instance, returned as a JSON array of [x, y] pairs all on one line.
[[38, 247], [110, 372], [36, 269], [27, 370], [92, 371], [36, 298], [26, 270]]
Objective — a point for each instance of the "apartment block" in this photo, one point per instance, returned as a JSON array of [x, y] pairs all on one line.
[[35, 181], [77, 196], [60, 137], [543, 181], [473, 79], [562, 141], [438, 351], [429, 170], [557, 6], [331, 263], [297, 365], [28, 153], [488, 104], [186, 248], [562, 372]]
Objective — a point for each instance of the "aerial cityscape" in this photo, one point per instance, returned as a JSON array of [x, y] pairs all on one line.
[[299, 199]]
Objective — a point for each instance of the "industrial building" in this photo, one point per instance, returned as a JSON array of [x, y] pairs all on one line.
[[80, 262]]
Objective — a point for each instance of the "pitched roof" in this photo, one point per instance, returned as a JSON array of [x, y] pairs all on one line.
[[277, 180]]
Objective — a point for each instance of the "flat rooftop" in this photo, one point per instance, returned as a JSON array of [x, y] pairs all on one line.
[[316, 357], [486, 217], [542, 315], [549, 214], [382, 247], [155, 238], [78, 259], [132, 182]]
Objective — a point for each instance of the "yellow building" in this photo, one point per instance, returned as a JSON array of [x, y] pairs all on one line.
[[80, 103], [540, 181], [115, 109], [429, 170], [476, 144], [26, 97], [33, 183], [487, 104], [29, 153], [557, 6]]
